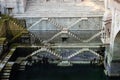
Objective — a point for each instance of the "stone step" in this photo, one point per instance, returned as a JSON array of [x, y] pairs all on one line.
[[23, 63], [6, 74], [5, 77], [6, 71], [38, 6], [19, 60], [10, 64], [7, 68], [64, 63], [22, 67], [56, 9]]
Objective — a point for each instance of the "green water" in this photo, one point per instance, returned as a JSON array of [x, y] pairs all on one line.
[[40, 71], [53, 72]]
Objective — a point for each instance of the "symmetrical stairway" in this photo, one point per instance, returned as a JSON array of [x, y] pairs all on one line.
[[83, 50], [45, 49]]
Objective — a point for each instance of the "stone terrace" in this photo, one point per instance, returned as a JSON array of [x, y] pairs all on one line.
[[36, 8]]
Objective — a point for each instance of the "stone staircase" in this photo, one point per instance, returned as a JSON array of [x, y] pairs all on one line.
[[16, 29], [94, 36], [48, 50], [46, 6], [56, 35], [55, 23], [84, 50], [7, 71], [22, 63], [78, 52], [60, 9], [73, 35], [34, 5], [66, 52], [45, 49]]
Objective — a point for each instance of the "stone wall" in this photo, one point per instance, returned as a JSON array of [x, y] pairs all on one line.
[[84, 29], [18, 6], [113, 53], [92, 23]]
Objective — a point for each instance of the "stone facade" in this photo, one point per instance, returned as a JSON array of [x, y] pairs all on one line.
[[13, 6], [69, 12], [19, 6], [113, 53]]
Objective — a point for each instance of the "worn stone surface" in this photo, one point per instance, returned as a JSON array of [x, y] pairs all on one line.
[[113, 52]]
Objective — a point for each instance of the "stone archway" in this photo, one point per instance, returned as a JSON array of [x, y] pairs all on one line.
[[112, 60], [116, 49]]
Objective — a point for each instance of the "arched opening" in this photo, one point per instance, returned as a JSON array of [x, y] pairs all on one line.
[[116, 50]]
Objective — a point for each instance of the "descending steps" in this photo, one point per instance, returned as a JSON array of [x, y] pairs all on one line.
[[34, 24], [56, 35], [94, 36], [64, 63], [82, 50], [22, 63], [16, 29], [73, 24], [78, 52], [63, 32], [7, 71], [55, 23], [44, 49], [73, 35], [34, 36], [48, 50], [61, 8]]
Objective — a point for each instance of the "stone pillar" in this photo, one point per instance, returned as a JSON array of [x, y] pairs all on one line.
[[21, 6], [2, 6], [17, 6], [107, 19]]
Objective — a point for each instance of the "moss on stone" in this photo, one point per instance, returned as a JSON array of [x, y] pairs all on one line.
[[2, 40]]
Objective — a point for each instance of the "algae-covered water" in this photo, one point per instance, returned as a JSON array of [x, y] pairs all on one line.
[[39, 71], [54, 72]]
